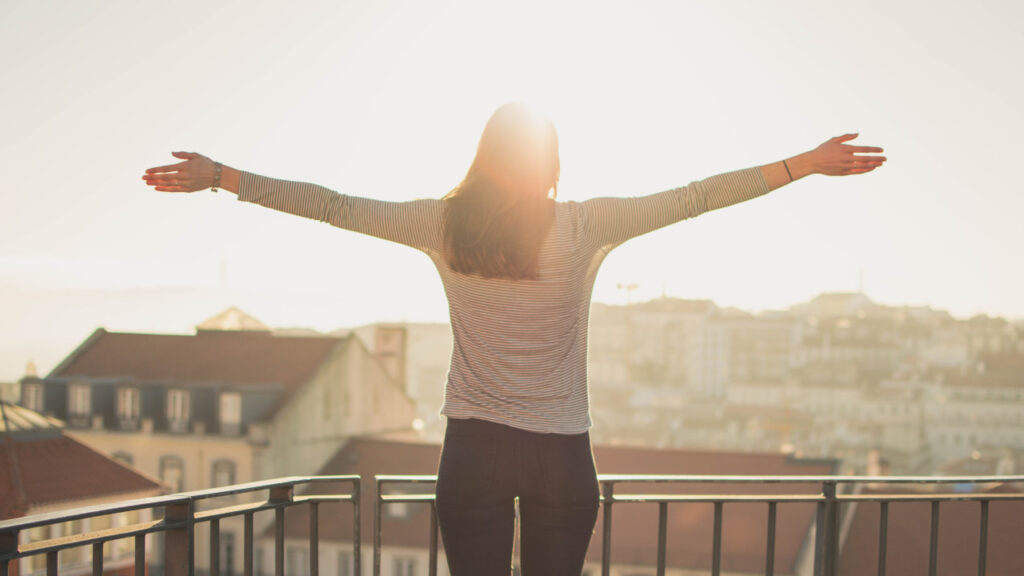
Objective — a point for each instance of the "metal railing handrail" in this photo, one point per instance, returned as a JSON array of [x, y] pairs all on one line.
[[178, 523], [826, 524]]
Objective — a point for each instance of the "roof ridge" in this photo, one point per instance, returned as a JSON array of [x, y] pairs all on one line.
[[82, 348]]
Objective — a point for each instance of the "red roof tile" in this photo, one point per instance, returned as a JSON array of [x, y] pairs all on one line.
[[634, 525], [37, 471], [207, 357]]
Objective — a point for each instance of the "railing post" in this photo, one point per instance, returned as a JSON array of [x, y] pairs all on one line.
[[282, 495], [247, 548], [314, 539], [97, 559], [432, 567], [357, 546], [830, 526], [662, 536], [215, 547], [983, 538], [140, 555], [376, 529], [179, 554], [8, 545], [606, 535]]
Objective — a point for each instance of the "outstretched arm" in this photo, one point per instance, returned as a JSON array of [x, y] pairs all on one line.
[[610, 221], [414, 223]]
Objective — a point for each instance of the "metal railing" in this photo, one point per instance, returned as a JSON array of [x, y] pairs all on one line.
[[179, 515], [828, 499]]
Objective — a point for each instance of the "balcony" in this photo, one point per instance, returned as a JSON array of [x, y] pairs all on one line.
[[175, 519]]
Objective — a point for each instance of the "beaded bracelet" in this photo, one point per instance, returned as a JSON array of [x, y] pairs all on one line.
[[216, 176]]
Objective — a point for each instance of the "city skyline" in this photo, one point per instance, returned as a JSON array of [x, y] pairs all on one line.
[[51, 349]]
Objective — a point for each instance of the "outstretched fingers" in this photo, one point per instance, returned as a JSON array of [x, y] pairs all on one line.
[[167, 168]]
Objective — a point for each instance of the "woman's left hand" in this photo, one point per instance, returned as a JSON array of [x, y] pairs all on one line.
[[192, 175]]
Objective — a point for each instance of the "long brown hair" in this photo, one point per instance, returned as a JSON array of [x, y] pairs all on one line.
[[499, 215]]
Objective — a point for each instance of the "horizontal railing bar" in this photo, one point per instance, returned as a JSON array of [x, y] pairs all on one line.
[[265, 485], [97, 537], [978, 497], [751, 479], [712, 498], [758, 498], [733, 479], [57, 517], [166, 500], [411, 479], [406, 498], [240, 509], [321, 498]]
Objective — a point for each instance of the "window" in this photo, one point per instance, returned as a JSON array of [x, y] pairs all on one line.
[[230, 412], [79, 400], [345, 567], [128, 407], [223, 473], [296, 561], [177, 410], [172, 472], [33, 396], [403, 566]]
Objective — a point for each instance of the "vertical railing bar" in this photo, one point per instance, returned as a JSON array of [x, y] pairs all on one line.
[[769, 555], [279, 540], [983, 538], [377, 528], [662, 535], [819, 540], [314, 539], [4, 570], [247, 548], [831, 525], [140, 555], [883, 536], [215, 547], [716, 547], [357, 527], [606, 530], [51, 564], [933, 550], [97, 559], [432, 566]]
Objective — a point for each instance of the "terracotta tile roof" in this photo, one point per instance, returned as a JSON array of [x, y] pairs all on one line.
[[634, 525], [45, 469], [909, 532], [235, 357]]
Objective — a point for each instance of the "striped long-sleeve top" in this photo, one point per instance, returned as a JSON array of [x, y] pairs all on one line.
[[520, 346]]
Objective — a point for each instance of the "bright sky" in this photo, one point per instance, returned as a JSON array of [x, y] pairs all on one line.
[[387, 99]]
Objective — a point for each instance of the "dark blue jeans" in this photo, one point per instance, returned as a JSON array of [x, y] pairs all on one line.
[[484, 467]]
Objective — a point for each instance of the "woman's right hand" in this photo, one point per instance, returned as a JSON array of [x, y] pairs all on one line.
[[192, 175], [836, 158]]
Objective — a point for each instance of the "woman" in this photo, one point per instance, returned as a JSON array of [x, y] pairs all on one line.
[[518, 269]]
